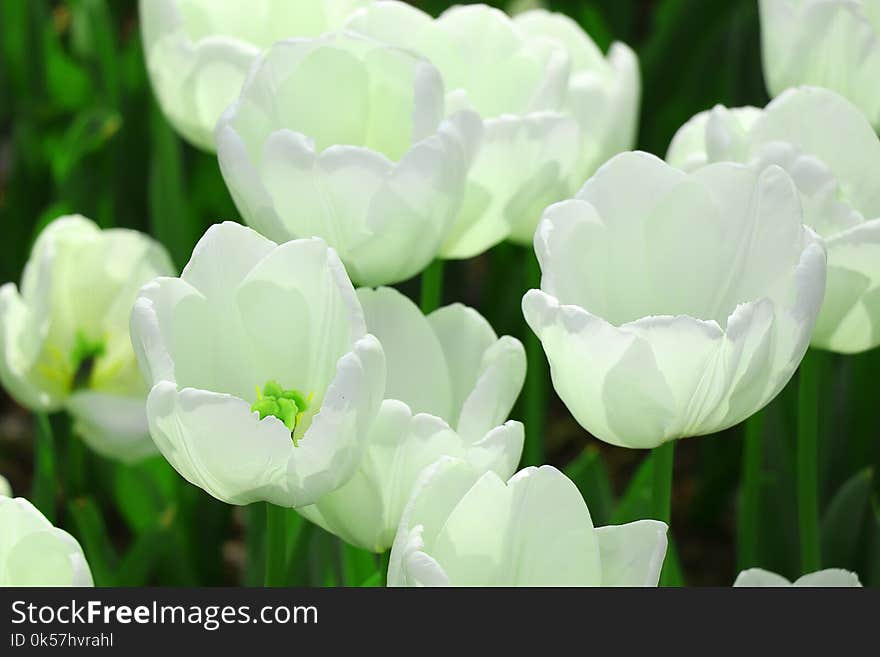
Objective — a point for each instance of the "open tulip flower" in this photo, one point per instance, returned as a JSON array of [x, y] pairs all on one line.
[[264, 380], [451, 384], [198, 52], [828, 43], [64, 341], [829, 578], [344, 138], [463, 527], [552, 106], [34, 553], [833, 156], [674, 304]]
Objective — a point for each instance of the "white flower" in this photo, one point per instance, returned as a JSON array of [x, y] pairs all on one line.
[[263, 377], [553, 107], [451, 384], [344, 138], [5, 488], [674, 305], [467, 528], [34, 553], [833, 156], [828, 43], [832, 577], [64, 340], [198, 51]]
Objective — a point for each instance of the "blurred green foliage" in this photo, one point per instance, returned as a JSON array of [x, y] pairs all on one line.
[[80, 132]]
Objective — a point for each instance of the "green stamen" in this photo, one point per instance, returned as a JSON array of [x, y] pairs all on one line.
[[287, 405], [83, 356]]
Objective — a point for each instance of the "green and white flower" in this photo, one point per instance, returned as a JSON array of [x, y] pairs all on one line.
[[263, 378], [829, 578], [552, 107], [673, 304], [198, 52], [828, 43], [344, 138], [34, 553], [64, 341], [451, 384], [833, 156], [467, 528]]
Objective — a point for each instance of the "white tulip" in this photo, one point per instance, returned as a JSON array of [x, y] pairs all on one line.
[[34, 553], [553, 108], [64, 340], [833, 156], [343, 137], [198, 51], [466, 528], [674, 305], [263, 377], [451, 384], [828, 43], [830, 578], [5, 488]]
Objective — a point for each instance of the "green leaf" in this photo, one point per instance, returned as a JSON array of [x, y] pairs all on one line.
[[89, 131], [635, 503], [43, 494], [844, 520], [92, 534], [590, 475], [169, 216], [357, 564], [139, 561], [144, 493]]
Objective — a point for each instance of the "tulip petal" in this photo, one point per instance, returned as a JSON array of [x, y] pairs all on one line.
[[831, 577], [632, 554], [608, 378], [418, 373], [757, 577], [217, 443], [113, 426]]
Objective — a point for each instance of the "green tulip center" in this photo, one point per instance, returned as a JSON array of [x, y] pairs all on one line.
[[83, 356], [287, 405]]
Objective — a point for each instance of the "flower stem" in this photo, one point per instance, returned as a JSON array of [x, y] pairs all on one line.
[[432, 287], [536, 378], [276, 545], [43, 494], [661, 494], [384, 558], [809, 375], [748, 523]]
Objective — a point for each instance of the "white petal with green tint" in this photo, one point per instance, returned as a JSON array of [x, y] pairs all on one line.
[[642, 351], [369, 163], [464, 528], [64, 339], [450, 387], [833, 156], [247, 316], [34, 553]]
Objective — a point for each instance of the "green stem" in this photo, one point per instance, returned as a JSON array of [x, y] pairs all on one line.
[[808, 461], [384, 558], [432, 287], [663, 460], [43, 494], [661, 493], [536, 379], [748, 524], [276, 545]]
